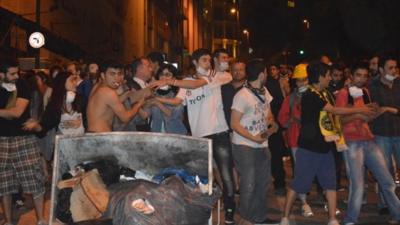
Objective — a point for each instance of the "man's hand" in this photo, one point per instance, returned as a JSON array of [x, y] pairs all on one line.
[[369, 110], [260, 138], [74, 124], [136, 95], [150, 102], [159, 83], [31, 125], [273, 128], [386, 109]]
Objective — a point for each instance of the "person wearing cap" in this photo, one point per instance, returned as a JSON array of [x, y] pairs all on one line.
[[289, 118]]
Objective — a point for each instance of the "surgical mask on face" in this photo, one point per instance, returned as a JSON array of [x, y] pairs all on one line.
[[54, 74], [10, 87], [202, 71], [389, 77], [355, 92], [70, 97], [224, 66], [302, 89], [165, 88]]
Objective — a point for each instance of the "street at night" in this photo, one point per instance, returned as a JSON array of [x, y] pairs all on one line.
[[195, 112]]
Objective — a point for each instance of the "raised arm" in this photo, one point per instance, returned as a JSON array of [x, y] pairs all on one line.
[[118, 108], [16, 111], [188, 84], [170, 101]]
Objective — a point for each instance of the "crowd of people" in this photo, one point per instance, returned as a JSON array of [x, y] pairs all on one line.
[[323, 115]]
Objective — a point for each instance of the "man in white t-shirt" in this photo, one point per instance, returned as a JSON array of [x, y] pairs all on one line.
[[252, 122], [207, 119]]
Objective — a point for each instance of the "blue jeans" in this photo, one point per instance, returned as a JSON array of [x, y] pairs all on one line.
[[363, 154], [254, 168], [173, 124], [389, 146]]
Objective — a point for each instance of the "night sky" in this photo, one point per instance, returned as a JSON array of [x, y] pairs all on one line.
[[343, 29]]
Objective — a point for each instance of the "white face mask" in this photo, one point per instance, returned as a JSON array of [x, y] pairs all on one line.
[[165, 88], [224, 66], [390, 77], [355, 92], [202, 71], [54, 74], [10, 87], [70, 97], [302, 89]]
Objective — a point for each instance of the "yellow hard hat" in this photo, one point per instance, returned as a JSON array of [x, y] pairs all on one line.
[[300, 71]]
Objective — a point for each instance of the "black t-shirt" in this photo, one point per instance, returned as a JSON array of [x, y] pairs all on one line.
[[13, 127], [275, 90], [228, 91], [310, 134]]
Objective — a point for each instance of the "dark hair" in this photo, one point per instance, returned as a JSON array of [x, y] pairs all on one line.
[[110, 64], [253, 69], [315, 70], [269, 65], [359, 65], [77, 65], [199, 53], [6, 64], [135, 65], [170, 68], [217, 52], [156, 57], [57, 98], [384, 58], [337, 66]]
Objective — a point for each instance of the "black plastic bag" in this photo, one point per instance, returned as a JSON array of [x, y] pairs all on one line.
[[174, 203]]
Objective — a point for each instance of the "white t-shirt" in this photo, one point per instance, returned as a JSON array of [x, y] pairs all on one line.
[[66, 118], [205, 110], [254, 117]]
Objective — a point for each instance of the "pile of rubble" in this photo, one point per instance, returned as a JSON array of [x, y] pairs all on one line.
[[102, 193]]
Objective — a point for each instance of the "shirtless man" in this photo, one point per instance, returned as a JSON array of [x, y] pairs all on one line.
[[105, 103]]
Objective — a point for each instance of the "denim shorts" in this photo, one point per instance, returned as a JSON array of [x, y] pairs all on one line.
[[310, 165]]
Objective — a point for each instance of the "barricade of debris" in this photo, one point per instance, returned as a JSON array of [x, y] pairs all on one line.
[[101, 192]]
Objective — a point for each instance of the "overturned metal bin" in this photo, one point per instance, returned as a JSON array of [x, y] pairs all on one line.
[[147, 152]]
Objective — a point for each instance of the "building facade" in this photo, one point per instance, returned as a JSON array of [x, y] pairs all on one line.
[[112, 29]]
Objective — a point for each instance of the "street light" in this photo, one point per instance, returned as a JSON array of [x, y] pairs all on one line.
[[247, 33], [233, 10], [307, 23]]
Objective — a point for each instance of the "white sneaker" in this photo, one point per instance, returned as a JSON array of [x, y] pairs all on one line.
[[284, 221], [306, 210], [326, 209], [333, 222]]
